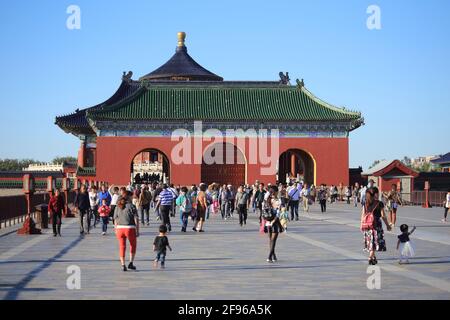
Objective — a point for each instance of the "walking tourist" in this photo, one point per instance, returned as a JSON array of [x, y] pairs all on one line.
[[184, 201], [114, 192], [225, 197], [272, 225], [55, 208], [284, 218], [104, 211], [144, 201], [242, 200], [404, 244], [174, 197], [446, 206], [393, 201], [305, 194], [202, 205], [126, 223], [348, 193], [355, 194], [193, 195], [294, 199], [93, 202], [380, 217], [164, 204], [284, 199], [160, 245], [83, 206], [368, 226], [323, 196], [362, 195], [313, 193]]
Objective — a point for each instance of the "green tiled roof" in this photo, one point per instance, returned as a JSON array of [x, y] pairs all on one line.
[[224, 103], [86, 171]]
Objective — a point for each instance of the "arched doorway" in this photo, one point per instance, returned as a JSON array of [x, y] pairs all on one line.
[[296, 164], [150, 165], [223, 163]]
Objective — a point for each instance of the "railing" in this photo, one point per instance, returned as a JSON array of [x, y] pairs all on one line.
[[13, 209], [39, 184], [436, 198]]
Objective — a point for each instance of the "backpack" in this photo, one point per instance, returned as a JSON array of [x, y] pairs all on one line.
[[368, 221], [268, 214], [186, 206]]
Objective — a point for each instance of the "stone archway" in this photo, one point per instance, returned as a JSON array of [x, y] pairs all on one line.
[[295, 163], [228, 167], [150, 165]]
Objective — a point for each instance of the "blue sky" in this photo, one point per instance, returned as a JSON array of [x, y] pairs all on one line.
[[398, 77]]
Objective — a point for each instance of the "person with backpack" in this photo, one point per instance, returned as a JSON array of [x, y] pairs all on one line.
[[241, 202], [369, 220], [184, 201]]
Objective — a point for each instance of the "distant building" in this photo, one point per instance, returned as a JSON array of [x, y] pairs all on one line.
[[442, 162], [140, 117], [67, 169], [420, 161], [387, 173]]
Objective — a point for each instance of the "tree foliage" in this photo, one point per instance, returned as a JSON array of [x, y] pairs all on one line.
[[15, 164], [66, 159]]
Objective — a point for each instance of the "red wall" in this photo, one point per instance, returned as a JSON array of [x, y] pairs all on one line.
[[115, 154]]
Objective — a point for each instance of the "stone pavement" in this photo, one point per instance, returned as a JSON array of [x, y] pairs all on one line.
[[320, 257]]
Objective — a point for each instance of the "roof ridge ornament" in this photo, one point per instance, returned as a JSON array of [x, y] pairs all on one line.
[[301, 83], [127, 76], [284, 78], [181, 38]]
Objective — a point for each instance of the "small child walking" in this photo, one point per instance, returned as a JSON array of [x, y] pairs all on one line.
[[284, 218], [160, 245], [404, 244], [104, 211]]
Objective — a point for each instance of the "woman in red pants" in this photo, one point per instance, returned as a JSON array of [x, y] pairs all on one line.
[[126, 222]]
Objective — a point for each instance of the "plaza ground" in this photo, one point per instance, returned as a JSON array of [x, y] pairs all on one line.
[[320, 257]]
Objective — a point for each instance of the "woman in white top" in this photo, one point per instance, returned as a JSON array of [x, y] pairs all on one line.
[[446, 206]]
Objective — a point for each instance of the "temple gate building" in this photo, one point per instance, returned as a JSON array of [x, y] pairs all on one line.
[[136, 124]]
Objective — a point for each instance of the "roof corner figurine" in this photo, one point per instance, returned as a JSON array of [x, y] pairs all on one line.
[[284, 78]]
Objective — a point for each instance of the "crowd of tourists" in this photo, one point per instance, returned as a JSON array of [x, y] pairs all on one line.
[[275, 206]]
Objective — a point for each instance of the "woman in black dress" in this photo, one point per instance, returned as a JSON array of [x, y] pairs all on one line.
[[272, 226], [380, 217]]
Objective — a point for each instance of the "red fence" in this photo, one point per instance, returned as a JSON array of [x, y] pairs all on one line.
[[436, 198], [14, 208]]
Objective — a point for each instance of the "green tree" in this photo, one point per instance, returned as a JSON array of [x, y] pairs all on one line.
[[374, 164], [15, 164], [66, 159], [407, 161]]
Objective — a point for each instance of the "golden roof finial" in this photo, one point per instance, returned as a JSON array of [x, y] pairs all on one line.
[[181, 38]]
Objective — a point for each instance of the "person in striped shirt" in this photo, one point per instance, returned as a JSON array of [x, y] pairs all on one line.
[[164, 205]]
